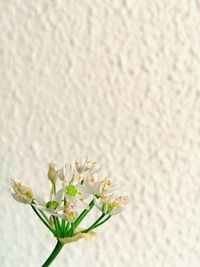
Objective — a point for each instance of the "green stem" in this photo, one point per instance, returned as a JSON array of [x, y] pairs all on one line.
[[63, 227], [57, 225], [71, 230], [42, 219], [98, 220], [97, 223], [67, 228], [83, 214], [54, 188], [43, 214], [53, 255]]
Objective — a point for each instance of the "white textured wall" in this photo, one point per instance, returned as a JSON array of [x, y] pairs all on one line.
[[118, 81]]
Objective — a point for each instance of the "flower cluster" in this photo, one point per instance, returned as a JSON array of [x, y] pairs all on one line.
[[74, 192]]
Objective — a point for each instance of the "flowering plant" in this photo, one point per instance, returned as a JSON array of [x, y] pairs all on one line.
[[80, 190]]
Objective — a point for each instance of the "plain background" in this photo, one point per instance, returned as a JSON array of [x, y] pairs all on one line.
[[117, 81]]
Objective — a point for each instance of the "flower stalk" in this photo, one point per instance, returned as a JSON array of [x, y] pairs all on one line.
[[53, 255], [83, 214], [40, 217]]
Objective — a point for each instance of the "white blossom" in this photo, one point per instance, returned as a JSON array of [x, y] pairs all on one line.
[[111, 204], [20, 192]]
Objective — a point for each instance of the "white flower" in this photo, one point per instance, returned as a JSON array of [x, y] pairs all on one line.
[[92, 185], [72, 194], [62, 174], [87, 166], [53, 206], [70, 212], [79, 170], [106, 187], [21, 193], [111, 204]]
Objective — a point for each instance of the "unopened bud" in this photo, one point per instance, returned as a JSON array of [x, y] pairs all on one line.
[[53, 172]]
